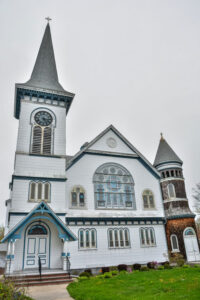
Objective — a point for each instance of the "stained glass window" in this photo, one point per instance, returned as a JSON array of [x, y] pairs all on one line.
[[148, 200], [113, 187], [118, 238]]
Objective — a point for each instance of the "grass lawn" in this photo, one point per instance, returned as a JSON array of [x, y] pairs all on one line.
[[177, 283]]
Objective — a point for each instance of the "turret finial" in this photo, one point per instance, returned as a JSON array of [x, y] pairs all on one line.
[[161, 136]]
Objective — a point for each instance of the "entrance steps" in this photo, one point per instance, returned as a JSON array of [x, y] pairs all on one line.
[[25, 280]]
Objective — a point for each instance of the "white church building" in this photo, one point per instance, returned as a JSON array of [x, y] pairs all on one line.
[[101, 207]]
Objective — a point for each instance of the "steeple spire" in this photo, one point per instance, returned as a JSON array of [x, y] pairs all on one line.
[[44, 73]]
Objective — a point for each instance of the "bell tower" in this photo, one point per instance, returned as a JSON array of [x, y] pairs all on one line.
[[178, 214]]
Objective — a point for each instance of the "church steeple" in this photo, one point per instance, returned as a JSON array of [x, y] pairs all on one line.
[[44, 78], [44, 73]]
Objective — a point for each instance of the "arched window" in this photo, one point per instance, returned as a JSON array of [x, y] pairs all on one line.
[[118, 238], [148, 200], [87, 238], [77, 197], [39, 191], [147, 237], [37, 230], [42, 130], [171, 190], [174, 243], [113, 187], [189, 232]]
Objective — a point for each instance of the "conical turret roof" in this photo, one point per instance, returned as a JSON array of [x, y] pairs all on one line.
[[44, 73], [165, 154]]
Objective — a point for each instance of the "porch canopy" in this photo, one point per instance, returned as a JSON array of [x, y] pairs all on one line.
[[42, 211]]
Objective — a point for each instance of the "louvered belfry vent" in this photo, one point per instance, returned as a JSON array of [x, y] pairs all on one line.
[[47, 140], [37, 140], [41, 143]]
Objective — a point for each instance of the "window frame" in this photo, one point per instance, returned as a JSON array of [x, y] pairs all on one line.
[[172, 245], [36, 190], [78, 198], [168, 191], [116, 194], [85, 237], [146, 232], [118, 238], [42, 143], [148, 200]]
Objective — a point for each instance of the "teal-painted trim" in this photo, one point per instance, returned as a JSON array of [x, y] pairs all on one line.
[[25, 214], [148, 168], [181, 217], [32, 238], [21, 92], [37, 178], [110, 154], [10, 256], [113, 219], [25, 233], [41, 208], [63, 254]]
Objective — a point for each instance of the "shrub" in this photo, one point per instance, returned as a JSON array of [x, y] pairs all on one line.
[[144, 268], [152, 264], [196, 266], [88, 271], [160, 267], [167, 266], [180, 262], [84, 274], [136, 266], [105, 269], [122, 267], [107, 275], [113, 269], [165, 263], [9, 291], [123, 272], [114, 272], [186, 266], [83, 278]]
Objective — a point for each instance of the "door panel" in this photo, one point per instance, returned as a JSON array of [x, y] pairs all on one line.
[[192, 249], [36, 246]]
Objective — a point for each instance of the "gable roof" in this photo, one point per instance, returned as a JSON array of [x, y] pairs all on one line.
[[136, 153], [41, 208], [165, 154]]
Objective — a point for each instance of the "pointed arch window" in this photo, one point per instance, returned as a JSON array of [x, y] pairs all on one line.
[[171, 190], [113, 187], [39, 191], [78, 197]]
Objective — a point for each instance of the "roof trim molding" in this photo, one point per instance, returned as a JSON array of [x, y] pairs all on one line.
[[137, 154], [41, 209]]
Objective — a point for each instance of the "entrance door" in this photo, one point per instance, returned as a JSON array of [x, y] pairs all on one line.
[[191, 245], [37, 245]]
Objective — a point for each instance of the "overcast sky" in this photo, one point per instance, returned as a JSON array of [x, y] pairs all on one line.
[[131, 63]]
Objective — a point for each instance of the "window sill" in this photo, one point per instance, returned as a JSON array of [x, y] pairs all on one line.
[[78, 207], [147, 246], [119, 248], [87, 249], [175, 251]]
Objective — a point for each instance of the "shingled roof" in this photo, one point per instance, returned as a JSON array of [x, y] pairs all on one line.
[[44, 73], [165, 154]]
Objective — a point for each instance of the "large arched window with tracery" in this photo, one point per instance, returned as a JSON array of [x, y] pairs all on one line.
[[113, 187]]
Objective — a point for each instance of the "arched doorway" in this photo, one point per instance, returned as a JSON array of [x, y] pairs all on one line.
[[191, 244], [37, 239]]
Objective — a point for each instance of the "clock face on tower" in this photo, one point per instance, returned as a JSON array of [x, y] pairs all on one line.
[[43, 118]]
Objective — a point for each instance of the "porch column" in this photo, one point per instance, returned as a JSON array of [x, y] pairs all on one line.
[[10, 257], [64, 256]]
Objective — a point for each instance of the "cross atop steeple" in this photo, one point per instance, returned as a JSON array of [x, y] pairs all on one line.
[[48, 19]]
